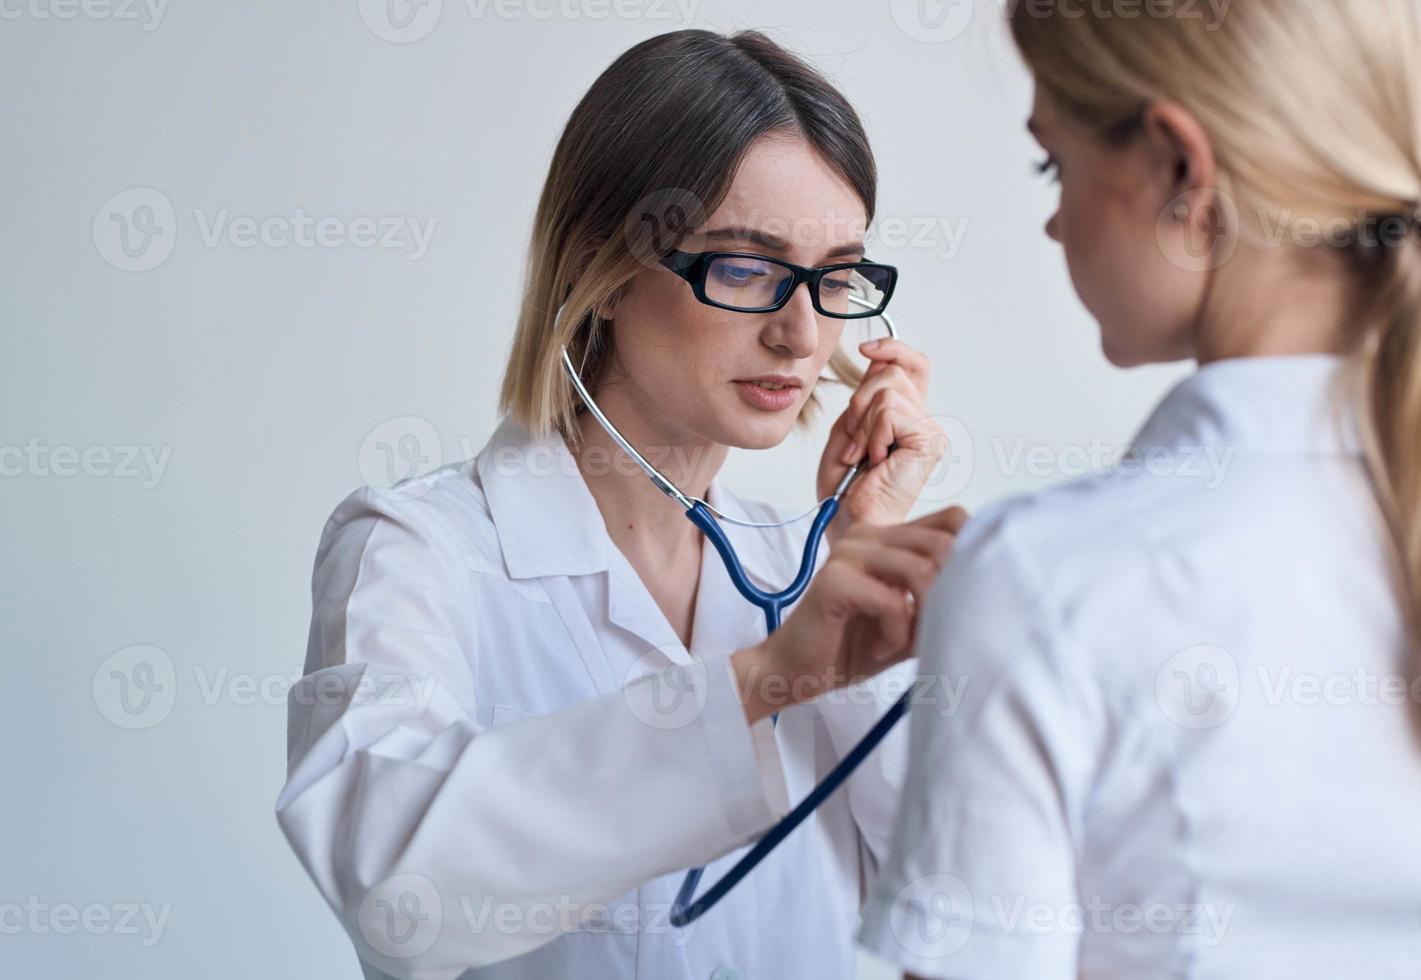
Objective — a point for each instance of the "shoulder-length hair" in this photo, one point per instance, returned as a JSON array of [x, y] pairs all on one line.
[[657, 139]]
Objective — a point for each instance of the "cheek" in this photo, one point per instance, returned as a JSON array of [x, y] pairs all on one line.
[[661, 330], [831, 333], [679, 354], [1123, 277]]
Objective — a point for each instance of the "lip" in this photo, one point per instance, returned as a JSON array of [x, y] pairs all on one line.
[[766, 400], [776, 379]]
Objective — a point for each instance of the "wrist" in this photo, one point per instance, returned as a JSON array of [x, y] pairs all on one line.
[[842, 521]]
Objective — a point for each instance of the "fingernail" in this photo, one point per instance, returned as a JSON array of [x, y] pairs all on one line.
[[850, 452], [870, 344]]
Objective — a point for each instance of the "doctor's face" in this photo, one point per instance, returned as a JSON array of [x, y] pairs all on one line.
[[691, 368], [1112, 199]]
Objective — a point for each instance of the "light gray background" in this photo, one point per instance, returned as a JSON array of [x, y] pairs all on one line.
[[265, 377]]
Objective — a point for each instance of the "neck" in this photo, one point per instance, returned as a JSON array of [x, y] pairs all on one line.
[[1271, 307], [649, 527]]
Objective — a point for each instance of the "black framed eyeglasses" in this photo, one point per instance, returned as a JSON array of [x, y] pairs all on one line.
[[750, 283]]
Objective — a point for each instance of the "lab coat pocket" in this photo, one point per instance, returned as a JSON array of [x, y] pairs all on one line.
[[503, 714]]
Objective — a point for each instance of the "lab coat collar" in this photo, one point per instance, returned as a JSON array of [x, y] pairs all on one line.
[[546, 518], [1284, 404], [548, 522]]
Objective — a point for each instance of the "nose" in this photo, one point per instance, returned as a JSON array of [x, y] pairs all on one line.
[[795, 327], [1053, 227]]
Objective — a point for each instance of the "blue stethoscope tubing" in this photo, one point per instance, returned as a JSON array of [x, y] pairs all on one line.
[[683, 910]]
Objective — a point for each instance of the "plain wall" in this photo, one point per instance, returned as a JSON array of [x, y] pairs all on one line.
[[177, 423]]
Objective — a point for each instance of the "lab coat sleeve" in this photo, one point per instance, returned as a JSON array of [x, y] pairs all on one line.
[[441, 846], [1004, 738]]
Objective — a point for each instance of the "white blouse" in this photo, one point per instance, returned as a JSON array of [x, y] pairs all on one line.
[[1183, 746], [503, 760]]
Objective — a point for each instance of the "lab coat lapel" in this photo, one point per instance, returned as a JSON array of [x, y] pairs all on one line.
[[631, 606], [548, 522], [584, 637], [549, 528]]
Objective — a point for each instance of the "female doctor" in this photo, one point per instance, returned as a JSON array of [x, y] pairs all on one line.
[[534, 698]]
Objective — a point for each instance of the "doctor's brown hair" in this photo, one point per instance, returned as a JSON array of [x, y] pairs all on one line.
[[1314, 109], [655, 141]]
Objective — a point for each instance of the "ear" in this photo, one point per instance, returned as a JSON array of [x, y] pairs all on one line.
[[1181, 144]]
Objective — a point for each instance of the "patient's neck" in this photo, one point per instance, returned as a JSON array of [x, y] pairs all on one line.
[[1272, 302]]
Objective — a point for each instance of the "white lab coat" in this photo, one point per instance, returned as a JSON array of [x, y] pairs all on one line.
[[489, 769]]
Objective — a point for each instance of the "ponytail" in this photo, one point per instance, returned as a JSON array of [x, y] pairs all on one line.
[[1391, 416]]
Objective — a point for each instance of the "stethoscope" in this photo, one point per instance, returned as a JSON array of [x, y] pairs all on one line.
[[704, 516]]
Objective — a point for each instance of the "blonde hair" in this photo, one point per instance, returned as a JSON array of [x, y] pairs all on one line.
[[1314, 109], [649, 151]]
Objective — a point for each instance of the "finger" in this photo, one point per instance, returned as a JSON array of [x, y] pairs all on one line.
[[928, 534], [891, 418], [912, 571], [923, 539], [882, 429], [890, 350], [890, 377], [907, 428], [856, 448], [919, 553], [889, 609], [950, 519]]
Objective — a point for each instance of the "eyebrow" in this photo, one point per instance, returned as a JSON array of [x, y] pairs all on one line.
[[769, 240]]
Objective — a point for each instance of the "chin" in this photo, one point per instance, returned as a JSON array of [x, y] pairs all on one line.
[[1122, 357], [766, 435], [1126, 347], [749, 429], [1133, 352]]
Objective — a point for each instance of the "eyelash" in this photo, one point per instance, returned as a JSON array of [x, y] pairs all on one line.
[[1050, 166]]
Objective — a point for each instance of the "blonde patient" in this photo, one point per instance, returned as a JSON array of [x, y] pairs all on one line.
[[1186, 744]]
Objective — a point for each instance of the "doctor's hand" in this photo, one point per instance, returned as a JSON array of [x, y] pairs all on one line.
[[857, 617], [887, 408]]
